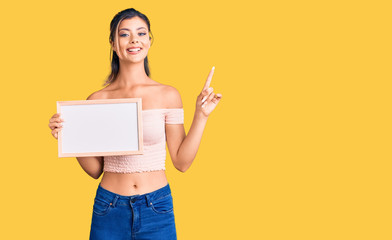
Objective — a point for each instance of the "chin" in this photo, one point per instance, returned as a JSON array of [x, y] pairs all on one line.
[[135, 60]]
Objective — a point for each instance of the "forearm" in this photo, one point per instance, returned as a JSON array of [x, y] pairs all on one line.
[[190, 145]]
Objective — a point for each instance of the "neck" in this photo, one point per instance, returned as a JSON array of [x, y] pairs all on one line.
[[131, 74]]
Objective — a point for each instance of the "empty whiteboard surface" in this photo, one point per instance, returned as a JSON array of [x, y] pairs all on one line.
[[100, 127]]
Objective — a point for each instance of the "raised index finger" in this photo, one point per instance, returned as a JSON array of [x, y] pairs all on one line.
[[207, 84]]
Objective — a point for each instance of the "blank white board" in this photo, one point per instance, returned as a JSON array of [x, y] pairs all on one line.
[[101, 127]]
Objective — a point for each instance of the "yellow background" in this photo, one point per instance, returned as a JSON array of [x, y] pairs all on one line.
[[298, 148]]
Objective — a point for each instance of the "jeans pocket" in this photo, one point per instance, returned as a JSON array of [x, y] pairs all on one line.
[[163, 204], [101, 207]]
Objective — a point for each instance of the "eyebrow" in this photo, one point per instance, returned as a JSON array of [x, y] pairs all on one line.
[[128, 29]]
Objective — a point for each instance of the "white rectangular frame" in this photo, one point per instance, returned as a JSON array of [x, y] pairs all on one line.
[[86, 117]]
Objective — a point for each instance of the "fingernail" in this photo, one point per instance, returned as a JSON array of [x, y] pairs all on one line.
[[213, 67], [204, 98]]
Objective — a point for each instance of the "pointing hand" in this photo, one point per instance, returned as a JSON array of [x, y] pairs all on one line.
[[207, 99]]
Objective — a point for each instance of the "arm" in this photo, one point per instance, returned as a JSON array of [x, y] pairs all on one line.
[[93, 166], [183, 148]]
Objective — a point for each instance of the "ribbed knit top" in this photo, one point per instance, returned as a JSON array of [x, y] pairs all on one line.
[[154, 143]]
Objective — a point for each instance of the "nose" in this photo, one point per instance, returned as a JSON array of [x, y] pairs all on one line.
[[134, 39]]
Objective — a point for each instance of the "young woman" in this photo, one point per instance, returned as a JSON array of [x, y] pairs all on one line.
[[133, 199]]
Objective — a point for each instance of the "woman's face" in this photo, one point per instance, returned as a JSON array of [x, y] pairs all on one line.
[[133, 40]]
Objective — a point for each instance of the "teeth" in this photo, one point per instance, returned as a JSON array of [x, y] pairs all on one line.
[[134, 49]]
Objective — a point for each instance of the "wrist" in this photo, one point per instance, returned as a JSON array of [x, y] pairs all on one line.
[[200, 116]]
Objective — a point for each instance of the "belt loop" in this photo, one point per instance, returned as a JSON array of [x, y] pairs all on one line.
[[115, 200], [148, 200]]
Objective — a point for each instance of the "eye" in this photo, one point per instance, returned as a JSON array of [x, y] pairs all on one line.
[[143, 34], [122, 35]]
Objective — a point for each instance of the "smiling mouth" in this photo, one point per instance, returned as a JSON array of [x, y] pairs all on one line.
[[133, 50]]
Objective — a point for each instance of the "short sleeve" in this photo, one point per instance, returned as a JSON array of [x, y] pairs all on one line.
[[174, 116]]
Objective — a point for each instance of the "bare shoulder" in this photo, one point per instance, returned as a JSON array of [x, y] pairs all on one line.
[[171, 97], [100, 94]]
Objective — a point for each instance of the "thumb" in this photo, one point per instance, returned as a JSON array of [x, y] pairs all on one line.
[[205, 93]]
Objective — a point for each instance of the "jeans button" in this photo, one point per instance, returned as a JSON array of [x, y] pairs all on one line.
[[133, 200]]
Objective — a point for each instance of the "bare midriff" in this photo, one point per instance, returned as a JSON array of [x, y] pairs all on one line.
[[129, 184]]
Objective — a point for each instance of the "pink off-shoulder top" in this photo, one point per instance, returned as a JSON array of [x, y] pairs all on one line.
[[154, 143]]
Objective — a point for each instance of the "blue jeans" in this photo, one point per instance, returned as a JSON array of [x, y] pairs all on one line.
[[145, 216]]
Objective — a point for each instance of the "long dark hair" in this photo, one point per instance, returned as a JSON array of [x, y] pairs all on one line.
[[114, 24]]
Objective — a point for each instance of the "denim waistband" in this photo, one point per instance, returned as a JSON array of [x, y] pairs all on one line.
[[146, 198]]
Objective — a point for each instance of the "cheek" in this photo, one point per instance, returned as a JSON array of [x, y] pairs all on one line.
[[146, 43], [145, 50], [123, 43], [146, 46]]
